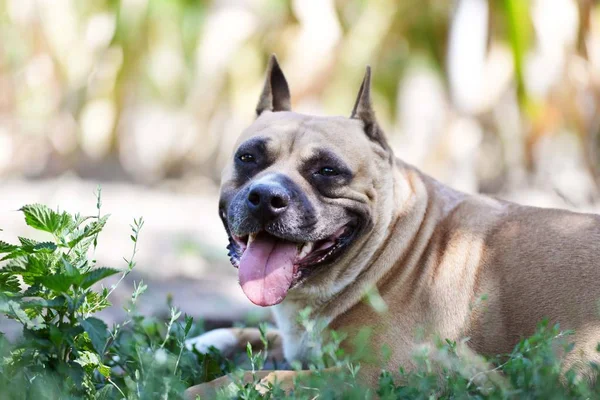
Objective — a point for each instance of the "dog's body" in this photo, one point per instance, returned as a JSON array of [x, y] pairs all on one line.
[[446, 264], [476, 267]]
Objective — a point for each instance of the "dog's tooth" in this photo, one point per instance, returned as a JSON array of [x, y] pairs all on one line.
[[251, 238], [306, 249]]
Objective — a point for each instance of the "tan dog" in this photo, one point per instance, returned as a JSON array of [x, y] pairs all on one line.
[[319, 211]]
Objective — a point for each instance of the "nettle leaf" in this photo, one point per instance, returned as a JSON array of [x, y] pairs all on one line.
[[70, 269], [56, 302], [25, 248], [13, 255], [104, 370], [79, 219], [44, 247], [97, 332], [43, 218], [40, 264], [34, 267], [6, 247], [9, 283], [91, 361], [94, 301], [57, 282], [87, 358], [55, 335], [16, 312], [106, 393], [30, 267], [89, 231], [33, 290], [28, 244], [16, 266], [81, 249], [96, 275]]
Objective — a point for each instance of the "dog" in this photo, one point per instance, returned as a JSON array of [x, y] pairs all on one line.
[[320, 212]]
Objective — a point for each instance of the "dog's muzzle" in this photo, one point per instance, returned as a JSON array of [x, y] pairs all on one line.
[[273, 240]]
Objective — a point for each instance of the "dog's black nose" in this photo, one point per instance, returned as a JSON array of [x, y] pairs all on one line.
[[267, 201]]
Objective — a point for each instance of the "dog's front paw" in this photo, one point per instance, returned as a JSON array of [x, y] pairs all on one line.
[[223, 340], [207, 390], [284, 380]]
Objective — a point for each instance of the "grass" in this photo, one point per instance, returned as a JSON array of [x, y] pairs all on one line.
[[66, 352]]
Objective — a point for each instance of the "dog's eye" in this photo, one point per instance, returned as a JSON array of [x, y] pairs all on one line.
[[247, 158], [327, 171]]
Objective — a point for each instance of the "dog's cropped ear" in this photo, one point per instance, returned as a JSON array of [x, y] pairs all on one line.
[[276, 93], [363, 110]]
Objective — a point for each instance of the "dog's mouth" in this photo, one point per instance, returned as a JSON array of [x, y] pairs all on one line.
[[270, 265]]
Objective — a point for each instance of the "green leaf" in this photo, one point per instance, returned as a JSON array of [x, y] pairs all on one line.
[[106, 393], [11, 256], [27, 243], [30, 267], [16, 266], [55, 335], [90, 231], [90, 361], [97, 331], [15, 311], [9, 283], [188, 324], [56, 302], [33, 290], [29, 246], [70, 269], [93, 276], [44, 247], [88, 358], [6, 248], [57, 282], [71, 372], [43, 218], [104, 370], [249, 350], [26, 247]]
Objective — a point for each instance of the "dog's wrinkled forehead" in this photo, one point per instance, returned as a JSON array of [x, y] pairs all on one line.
[[289, 134]]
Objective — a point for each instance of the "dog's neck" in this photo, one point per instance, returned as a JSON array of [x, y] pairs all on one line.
[[408, 217], [418, 204]]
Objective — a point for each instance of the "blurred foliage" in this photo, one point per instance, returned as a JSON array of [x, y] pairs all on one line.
[[479, 93]]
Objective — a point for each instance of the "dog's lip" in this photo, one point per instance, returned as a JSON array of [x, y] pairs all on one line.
[[241, 241], [309, 253]]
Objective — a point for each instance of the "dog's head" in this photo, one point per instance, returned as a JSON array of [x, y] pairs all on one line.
[[301, 192]]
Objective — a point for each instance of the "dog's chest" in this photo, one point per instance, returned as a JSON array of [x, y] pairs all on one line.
[[301, 340]]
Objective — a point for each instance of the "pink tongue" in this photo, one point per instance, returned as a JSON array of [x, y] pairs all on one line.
[[266, 269]]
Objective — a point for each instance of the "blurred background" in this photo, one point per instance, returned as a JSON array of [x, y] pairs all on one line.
[[146, 97]]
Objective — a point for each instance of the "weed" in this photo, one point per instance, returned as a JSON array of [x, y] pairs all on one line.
[[51, 289]]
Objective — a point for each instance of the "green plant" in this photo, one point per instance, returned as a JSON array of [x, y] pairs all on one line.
[[66, 352], [47, 287]]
